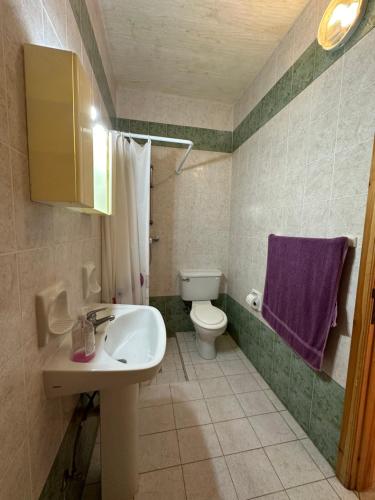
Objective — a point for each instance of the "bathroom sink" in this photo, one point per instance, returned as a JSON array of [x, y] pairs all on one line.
[[129, 350]]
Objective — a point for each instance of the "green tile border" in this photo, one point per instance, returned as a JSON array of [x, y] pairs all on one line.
[[176, 313], [309, 66], [205, 139], [82, 17], [55, 487], [314, 399]]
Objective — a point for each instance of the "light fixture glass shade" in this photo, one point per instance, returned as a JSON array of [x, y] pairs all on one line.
[[339, 22]]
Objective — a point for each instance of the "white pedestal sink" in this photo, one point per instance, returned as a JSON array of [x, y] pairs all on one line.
[[129, 350]]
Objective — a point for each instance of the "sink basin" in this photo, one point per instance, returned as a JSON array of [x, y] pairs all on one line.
[[136, 337], [129, 350]]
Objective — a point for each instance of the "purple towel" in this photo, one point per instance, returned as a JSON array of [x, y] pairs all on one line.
[[300, 295]]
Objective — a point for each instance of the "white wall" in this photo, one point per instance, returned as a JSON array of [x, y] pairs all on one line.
[[306, 173], [190, 214], [191, 210], [168, 108], [39, 245]]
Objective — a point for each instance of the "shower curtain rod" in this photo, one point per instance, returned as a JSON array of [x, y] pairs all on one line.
[[190, 144]]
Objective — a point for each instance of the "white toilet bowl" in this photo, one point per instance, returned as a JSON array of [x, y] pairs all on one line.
[[209, 322]]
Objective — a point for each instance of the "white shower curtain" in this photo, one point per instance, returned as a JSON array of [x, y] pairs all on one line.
[[125, 234]]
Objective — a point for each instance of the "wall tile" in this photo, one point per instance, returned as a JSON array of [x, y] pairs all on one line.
[[28, 229], [4, 130], [36, 271], [313, 399], [21, 23], [13, 423], [326, 414], [15, 481], [357, 118], [9, 296], [349, 181], [34, 222], [303, 70], [300, 391]]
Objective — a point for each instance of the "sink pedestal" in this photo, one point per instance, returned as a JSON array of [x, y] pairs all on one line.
[[119, 442]]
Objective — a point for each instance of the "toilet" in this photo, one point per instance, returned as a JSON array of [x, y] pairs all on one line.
[[200, 287]]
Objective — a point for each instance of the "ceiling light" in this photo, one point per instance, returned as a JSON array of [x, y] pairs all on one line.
[[339, 22]]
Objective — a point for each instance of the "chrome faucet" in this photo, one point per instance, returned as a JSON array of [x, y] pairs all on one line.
[[91, 316]]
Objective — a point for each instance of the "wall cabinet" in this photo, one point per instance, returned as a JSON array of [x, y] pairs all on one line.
[[60, 133]]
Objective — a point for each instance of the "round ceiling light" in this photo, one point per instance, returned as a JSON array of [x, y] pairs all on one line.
[[339, 22]]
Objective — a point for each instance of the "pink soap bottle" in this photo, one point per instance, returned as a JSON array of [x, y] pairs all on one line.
[[83, 341]]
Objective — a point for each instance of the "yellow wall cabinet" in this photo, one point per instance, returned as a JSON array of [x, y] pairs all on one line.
[[67, 167]]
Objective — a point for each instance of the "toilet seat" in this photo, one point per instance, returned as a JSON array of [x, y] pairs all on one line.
[[208, 316]]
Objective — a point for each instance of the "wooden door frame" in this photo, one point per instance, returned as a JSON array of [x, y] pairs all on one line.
[[356, 456]]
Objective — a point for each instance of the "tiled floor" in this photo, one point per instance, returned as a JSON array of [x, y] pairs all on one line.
[[220, 435]]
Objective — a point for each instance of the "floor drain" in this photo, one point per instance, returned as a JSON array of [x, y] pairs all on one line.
[[122, 360]]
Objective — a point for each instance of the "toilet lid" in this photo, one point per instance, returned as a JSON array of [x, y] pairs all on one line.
[[210, 315]]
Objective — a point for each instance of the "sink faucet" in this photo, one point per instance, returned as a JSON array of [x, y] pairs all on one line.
[[91, 316]]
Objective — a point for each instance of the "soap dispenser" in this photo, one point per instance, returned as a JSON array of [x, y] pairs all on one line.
[[83, 340]]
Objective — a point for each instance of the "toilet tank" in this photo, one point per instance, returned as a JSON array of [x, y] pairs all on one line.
[[201, 284]]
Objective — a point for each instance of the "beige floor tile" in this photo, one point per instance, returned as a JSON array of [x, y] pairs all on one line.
[[191, 345], [271, 428], [293, 464], [224, 408], [233, 367], [186, 358], [236, 435], [249, 365], [252, 474], [190, 372], [280, 495], [274, 400], [341, 491], [318, 458], [191, 414], [154, 395], [255, 403], [208, 370], [156, 419], [170, 377], [188, 336], [215, 387], [243, 383], [185, 391], [168, 364], [229, 354], [320, 490], [188, 346], [167, 484], [224, 342], [293, 424], [198, 443], [262, 383], [178, 363], [208, 480], [158, 451], [197, 359]]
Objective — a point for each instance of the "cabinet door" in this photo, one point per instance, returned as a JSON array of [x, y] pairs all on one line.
[[84, 143]]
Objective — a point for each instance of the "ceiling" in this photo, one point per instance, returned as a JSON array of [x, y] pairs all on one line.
[[209, 49]]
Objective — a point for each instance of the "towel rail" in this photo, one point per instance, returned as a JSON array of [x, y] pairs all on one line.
[[352, 240]]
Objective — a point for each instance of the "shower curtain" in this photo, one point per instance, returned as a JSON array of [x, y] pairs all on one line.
[[125, 234]]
